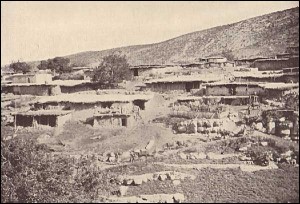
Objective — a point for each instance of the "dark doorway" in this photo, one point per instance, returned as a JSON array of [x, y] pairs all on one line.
[[140, 104], [188, 86], [106, 104], [124, 122], [135, 72], [23, 120]]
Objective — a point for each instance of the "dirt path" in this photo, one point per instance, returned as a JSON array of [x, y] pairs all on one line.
[[243, 167]]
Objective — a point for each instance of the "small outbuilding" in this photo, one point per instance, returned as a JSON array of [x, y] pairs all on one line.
[[113, 120], [184, 83], [51, 118], [233, 89], [31, 78]]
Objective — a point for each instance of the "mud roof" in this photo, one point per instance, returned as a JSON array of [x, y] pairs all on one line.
[[44, 112], [279, 86], [187, 78], [93, 98]]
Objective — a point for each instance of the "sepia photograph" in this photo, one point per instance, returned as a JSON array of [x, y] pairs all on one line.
[[150, 102]]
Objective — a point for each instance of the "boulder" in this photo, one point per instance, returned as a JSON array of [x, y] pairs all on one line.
[[182, 155], [243, 149], [128, 182], [264, 144], [191, 156], [282, 119], [162, 177], [111, 159], [149, 145], [171, 175], [165, 198], [178, 197], [123, 190], [271, 127], [125, 156], [200, 156], [155, 177], [285, 132], [176, 182], [259, 126], [138, 180], [180, 143]]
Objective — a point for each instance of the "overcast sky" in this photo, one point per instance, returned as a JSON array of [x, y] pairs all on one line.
[[42, 30]]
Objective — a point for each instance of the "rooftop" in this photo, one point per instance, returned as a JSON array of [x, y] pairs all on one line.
[[215, 57], [44, 112], [187, 78], [150, 66], [69, 82], [191, 98], [80, 68], [265, 60], [221, 83], [53, 83], [253, 58], [256, 74], [111, 115], [93, 98], [280, 86], [28, 74]]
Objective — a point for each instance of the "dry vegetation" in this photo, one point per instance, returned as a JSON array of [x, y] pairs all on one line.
[[211, 185]]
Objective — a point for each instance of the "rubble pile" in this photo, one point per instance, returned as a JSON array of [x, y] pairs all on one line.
[[144, 178]]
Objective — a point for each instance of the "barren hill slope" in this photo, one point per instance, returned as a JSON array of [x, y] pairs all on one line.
[[263, 35]]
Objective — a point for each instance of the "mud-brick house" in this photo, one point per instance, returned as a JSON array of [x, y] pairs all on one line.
[[85, 105], [144, 70], [31, 78], [113, 120], [227, 100], [184, 83], [86, 72], [31, 89], [293, 50], [284, 55], [248, 61], [52, 88], [153, 70], [276, 90], [290, 74], [291, 70], [6, 73], [276, 64], [193, 65], [218, 61], [50, 118], [256, 76], [233, 89], [72, 86]]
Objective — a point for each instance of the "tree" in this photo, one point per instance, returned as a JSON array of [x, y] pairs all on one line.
[[20, 67], [228, 54], [57, 64], [292, 101], [43, 65], [113, 69]]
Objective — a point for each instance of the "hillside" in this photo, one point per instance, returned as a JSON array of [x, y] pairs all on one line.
[[263, 35]]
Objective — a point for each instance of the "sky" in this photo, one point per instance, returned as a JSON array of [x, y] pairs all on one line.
[[42, 30]]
